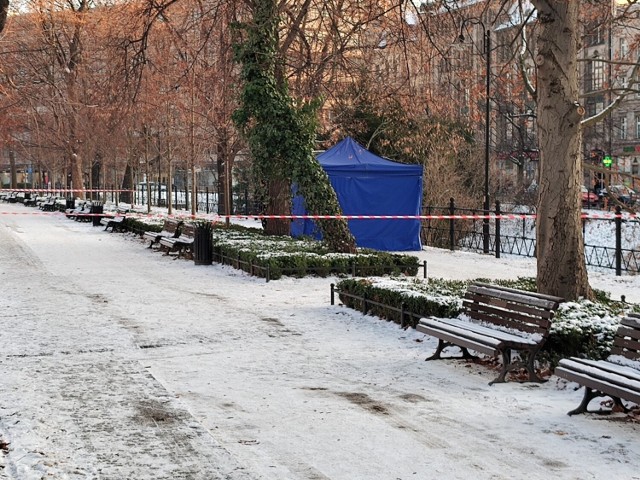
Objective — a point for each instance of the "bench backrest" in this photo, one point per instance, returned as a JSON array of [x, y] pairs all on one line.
[[188, 230], [510, 308], [171, 226], [626, 341]]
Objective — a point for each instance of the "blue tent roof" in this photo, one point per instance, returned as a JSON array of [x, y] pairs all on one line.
[[348, 156]]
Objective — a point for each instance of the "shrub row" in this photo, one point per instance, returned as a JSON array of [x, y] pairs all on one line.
[[274, 257]]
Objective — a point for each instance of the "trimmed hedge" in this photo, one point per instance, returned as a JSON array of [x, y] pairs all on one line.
[[250, 249]]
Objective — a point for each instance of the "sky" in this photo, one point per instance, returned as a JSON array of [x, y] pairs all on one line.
[[118, 362]]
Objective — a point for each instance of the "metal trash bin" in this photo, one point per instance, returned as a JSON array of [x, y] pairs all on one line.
[[97, 209], [202, 245]]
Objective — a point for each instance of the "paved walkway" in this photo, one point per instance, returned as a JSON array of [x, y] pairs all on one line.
[[75, 400]]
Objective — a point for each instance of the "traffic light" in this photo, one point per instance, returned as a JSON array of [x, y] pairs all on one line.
[[607, 161]]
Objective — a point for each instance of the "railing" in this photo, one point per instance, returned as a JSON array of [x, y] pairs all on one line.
[[516, 236]]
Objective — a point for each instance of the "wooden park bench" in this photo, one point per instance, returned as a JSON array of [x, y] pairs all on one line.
[[170, 229], [116, 222], [617, 377], [84, 214], [72, 212], [31, 201], [48, 205], [497, 321], [182, 243]]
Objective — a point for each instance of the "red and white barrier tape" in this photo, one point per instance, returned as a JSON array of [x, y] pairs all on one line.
[[335, 217], [64, 190]]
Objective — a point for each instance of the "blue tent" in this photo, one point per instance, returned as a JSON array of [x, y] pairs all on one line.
[[370, 185]]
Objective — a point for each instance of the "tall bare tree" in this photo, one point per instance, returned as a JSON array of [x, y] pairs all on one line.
[[560, 246]]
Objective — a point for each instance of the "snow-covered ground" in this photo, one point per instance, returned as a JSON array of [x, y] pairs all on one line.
[[120, 363]]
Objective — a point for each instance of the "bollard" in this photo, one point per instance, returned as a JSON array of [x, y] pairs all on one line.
[[497, 229], [452, 228], [618, 221]]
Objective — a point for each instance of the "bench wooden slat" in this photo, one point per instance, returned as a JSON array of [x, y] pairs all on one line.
[[628, 331], [486, 331], [502, 304], [528, 298], [609, 377], [478, 343], [627, 339], [600, 385], [506, 318], [584, 364]]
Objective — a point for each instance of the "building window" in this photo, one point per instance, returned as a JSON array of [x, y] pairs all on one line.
[[637, 125], [624, 48], [595, 35], [635, 167], [598, 75], [622, 132], [588, 76]]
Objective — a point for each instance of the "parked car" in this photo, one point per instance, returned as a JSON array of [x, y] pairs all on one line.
[[589, 197], [623, 193]]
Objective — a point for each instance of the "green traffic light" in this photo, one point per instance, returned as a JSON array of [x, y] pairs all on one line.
[[607, 161]]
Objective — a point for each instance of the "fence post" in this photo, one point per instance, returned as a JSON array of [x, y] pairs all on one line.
[[207, 199], [353, 268], [403, 324], [333, 293], [424, 265], [364, 303], [497, 229], [618, 221], [452, 211]]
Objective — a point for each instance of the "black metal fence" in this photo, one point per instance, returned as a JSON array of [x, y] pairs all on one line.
[[513, 233], [242, 203]]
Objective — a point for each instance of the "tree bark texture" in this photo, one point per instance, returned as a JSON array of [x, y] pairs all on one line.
[[279, 200], [561, 267]]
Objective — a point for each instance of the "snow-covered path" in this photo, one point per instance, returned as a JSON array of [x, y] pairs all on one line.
[[120, 363]]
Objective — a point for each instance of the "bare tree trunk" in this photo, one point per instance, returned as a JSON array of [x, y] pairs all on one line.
[[560, 247], [12, 169], [125, 195], [77, 176], [224, 166]]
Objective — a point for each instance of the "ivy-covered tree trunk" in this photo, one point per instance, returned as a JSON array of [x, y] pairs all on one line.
[[560, 246], [280, 134]]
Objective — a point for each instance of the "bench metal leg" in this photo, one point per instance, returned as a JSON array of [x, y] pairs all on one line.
[[506, 367], [590, 394], [442, 345], [509, 366]]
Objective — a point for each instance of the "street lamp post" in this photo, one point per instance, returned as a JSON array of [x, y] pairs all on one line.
[[487, 125], [487, 119]]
